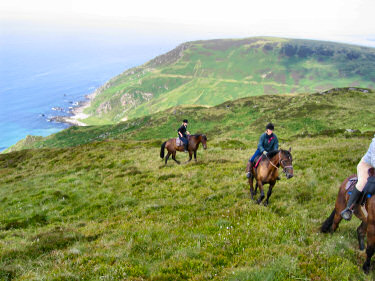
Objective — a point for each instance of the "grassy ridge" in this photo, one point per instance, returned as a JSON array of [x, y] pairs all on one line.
[[306, 114], [215, 71]]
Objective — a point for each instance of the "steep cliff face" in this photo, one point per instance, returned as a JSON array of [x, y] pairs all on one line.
[[214, 71]]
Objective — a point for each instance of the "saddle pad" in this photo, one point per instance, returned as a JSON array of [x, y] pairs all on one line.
[[179, 142], [257, 163], [351, 184]]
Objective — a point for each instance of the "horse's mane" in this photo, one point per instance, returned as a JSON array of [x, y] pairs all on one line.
[[198, 135], [274, 152]]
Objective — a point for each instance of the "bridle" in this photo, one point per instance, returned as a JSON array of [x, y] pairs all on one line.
[[280, 162]]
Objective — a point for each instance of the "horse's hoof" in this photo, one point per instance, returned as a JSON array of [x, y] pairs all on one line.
[[265, 204], [366, 268]]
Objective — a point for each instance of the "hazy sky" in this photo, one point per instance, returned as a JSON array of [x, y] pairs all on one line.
[[335, 20]]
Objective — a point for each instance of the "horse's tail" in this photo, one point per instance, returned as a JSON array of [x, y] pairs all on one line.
[[162, 150], [326, 226]]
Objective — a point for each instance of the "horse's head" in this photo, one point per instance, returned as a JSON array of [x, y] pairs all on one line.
[[286, 162], [204, 141]]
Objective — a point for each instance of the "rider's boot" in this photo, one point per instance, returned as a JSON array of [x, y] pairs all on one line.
[[248, 169], [346, 214], [186, 147]]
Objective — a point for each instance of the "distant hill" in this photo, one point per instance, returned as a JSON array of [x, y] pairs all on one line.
[[344, 111], [212, 72]]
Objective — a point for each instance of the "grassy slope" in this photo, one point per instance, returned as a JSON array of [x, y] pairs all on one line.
[[212, 72], [243, 118], [110, 210]]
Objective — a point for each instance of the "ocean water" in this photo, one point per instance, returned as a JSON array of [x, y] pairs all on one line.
[[42, 70]]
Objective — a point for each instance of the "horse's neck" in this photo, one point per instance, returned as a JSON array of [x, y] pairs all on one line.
[[197, 139], [276, 160]]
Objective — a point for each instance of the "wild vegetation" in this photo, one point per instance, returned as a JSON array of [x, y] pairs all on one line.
[[334, 112], [215, 71], [97, 203]]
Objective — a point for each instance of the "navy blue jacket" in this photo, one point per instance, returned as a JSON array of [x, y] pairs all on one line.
[[268, 143]]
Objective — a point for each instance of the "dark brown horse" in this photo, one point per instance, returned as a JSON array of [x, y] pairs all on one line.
[[267, 171], [365, 213], [194, 141]]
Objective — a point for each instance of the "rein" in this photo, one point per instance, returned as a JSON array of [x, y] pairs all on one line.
[[279, 162]]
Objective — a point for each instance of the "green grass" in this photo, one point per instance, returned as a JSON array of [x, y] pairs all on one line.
[[97, 203], [294, 115], [111, 211], [215, 71]]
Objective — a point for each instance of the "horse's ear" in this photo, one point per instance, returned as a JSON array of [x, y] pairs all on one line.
[[290, 149]]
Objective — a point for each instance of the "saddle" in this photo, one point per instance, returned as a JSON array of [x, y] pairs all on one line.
[[257, 161], [369, 189], [179, 142]]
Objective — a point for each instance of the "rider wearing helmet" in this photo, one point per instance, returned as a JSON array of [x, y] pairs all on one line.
[[182, 131], [367, 162], [267, 142]]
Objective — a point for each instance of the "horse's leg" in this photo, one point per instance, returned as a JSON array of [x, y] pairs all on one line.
[[190, 156], [166, 157], [370, 235], [251, 182], [261, 191], [174, 158], [339, 206], [336, 221], [370, 247], [361, 230], [195, 155], [269, 193]]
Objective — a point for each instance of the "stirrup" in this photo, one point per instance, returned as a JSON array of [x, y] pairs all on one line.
[[248, 175], [346, 214]]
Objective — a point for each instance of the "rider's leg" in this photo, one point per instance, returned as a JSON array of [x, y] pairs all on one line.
[[250, 163], [362, 174], [186, 144]]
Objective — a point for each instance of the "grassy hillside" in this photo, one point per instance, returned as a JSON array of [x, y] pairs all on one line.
[[215, 71], [331, 112], [108, 209], [111, 211]]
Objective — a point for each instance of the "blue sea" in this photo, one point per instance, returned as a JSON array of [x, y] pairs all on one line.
[[43, 69]]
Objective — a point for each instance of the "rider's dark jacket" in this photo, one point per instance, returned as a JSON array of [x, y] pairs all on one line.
[[268, 143], [182, 130]]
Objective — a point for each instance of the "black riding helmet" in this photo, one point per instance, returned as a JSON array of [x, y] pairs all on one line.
[[270, 127], [185, 121]]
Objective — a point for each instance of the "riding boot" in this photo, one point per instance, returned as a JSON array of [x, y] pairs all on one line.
[[346, 214], [249, 169], [186, 147]]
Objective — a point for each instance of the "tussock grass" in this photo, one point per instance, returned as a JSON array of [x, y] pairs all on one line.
[[112, 211]]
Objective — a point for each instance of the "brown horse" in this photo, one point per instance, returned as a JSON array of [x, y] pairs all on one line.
[[267, 171], [365, 213], [194, 141]]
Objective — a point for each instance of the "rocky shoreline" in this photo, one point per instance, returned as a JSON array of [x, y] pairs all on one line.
[[76, 114]]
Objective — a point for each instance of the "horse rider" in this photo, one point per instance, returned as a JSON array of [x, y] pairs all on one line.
[[267, 142], [367, 162], [182, 131]]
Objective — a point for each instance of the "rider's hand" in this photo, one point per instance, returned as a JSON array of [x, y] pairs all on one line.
[[264, 152]]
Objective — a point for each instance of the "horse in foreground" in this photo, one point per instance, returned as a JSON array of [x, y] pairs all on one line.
[[366, 213], [267, 172], [174, 145]]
